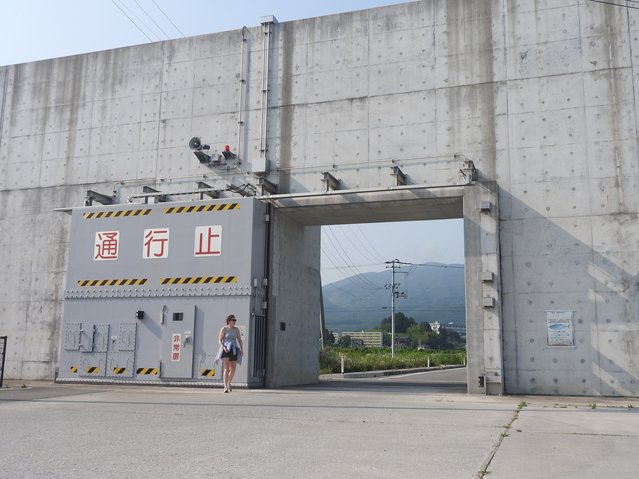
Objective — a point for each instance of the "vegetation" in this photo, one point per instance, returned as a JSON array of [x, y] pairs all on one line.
[[373, 359], [409, 333], [417, 345]]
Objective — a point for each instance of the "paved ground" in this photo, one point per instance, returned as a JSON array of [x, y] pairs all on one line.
[[340, 428]]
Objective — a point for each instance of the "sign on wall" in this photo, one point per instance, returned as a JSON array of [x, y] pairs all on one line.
[[106, 245], [156, 243], [559, 325], [208, 240]]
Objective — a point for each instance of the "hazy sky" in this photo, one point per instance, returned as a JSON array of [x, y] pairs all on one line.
[[38, 29], [33, 30]]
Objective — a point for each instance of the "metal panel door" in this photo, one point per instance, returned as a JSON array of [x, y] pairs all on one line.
[[121, 356], [94, 340], [72, 336], [177, 343], [87, 334]]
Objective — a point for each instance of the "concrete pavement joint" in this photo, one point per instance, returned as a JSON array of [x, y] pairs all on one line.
[[484, 467]]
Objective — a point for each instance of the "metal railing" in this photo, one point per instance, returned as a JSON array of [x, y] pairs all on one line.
[[3, 353]]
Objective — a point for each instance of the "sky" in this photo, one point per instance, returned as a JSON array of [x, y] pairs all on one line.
[[32, 30], [39, 29]]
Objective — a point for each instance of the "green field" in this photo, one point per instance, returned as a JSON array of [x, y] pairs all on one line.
[[372, 359]]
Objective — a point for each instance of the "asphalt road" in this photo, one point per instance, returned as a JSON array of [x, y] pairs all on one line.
[[435, 382], [416, 425]]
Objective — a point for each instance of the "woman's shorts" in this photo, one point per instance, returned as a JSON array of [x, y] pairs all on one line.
[[231, 354]]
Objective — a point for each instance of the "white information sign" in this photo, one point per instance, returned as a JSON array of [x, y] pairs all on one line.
[[560, 328]]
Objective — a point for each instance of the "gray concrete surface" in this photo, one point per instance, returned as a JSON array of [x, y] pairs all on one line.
[[339, 428]]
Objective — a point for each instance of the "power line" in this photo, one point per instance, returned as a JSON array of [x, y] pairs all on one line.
[[151, 18], [132, 16], [344, 257], [351, 294], [431, 265], [167, 17], [141, 21], [358, 265], [379, 257], [131, 20], [355, 279], [359, 246]]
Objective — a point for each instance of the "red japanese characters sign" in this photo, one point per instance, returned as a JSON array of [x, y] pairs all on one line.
[[176, 346], [156, 243], [208, 241], [106, 245]]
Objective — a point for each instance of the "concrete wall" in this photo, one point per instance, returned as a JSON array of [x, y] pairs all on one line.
[[540, 95]]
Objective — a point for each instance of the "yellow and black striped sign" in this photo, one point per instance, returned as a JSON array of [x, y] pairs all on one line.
[[93, 370], [117, 371], [200, 280], [115, 214], [148, 371], [74, 369], [207, 372], [111, 282], [201, 208]]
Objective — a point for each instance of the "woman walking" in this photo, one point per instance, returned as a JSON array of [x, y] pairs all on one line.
[[231, 350]]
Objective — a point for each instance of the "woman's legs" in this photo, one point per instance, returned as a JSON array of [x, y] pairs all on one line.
[[226, 373], [231, 372]]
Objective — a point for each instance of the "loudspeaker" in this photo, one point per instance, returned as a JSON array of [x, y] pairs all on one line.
[[195, 143]]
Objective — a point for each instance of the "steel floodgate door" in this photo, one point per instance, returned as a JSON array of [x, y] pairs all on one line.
[[177, 343], [94, 340], [153, 283]]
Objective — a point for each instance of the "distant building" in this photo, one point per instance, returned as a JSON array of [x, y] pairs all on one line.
[[367, 339], [461, 330]]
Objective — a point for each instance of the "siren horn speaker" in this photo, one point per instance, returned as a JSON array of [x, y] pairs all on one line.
[[195, 143]]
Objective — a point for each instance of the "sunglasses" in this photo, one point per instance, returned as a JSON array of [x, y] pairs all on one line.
[[232, 319]]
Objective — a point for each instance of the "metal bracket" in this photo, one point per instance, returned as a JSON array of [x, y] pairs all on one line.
[[330, 182], [266, 185], [468, 170], [400, 177], [160, 197], [211, 192], [99, 197], [246, 189]]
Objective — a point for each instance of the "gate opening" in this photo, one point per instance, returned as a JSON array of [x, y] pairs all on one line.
[[476, 204], [412, 271]]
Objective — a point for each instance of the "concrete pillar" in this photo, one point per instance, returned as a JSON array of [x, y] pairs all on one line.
[[483, 292], [293, 341]]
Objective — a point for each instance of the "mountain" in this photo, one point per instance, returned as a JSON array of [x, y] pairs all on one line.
[[434, 292]]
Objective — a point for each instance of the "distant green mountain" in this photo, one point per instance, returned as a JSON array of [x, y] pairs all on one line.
[[434, 292]]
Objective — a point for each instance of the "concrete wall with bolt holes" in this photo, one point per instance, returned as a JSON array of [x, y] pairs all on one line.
[[541, 96]]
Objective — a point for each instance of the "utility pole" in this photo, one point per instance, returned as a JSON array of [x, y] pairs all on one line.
[[394, 294]]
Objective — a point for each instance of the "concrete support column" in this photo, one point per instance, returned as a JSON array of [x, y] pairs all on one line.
[[293, 342], [483, 292]]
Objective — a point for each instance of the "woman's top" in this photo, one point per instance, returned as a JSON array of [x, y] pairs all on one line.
[[229, 341], [230, 335]]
